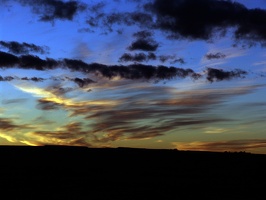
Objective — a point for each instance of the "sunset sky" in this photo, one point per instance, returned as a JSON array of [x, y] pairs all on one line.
[[184, 74]]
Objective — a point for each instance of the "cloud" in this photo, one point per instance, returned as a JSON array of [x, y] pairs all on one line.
[[133, 112], [6, 78], [128, 18], [32, 62], [35, 79], [143, 34], [201, 19], [178, 60], [191, 19], [218, 56], [51, 10], [14, 101], [8, 59], [23, 48], [46, 104], [70, 134], [6, 124], [26, 62], [137, 57], [230, 145], [143, 45], [172, 58], [97, 8], [143, 42], [107, 20], [142, 57], [132, 71], [83, 82], [211, 56], [219, 74], [136, 118], [82, 51]]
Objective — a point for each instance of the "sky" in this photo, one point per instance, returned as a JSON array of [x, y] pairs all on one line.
[[160, 74]]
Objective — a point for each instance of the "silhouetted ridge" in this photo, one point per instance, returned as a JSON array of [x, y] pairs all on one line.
[[130, 173]]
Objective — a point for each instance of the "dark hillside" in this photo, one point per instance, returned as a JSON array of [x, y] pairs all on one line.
[[60, 172]]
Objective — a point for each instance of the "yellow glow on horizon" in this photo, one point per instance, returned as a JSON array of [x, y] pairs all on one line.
[[29, 143], [8, 137], [49, 96]]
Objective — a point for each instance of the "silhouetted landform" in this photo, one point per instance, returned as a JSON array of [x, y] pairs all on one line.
[[63, 172]]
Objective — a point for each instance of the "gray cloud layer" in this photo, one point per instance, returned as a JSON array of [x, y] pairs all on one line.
[[191, 19], [49, 10], [23, 48], [133, 71]]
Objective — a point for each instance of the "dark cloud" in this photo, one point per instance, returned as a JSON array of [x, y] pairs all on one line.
[[58, 90], [7, 59], [129, 18], [44, 104], [218, 55], [35, 79], [142, 57], [106, 21], [219, 74], [7, 124], [10, 78], [171, 58], [83, 82], [192, 19], [23, 48], [143, 34], [132, 71], [6, 78], [97, 8], [49, 10], [137, 57], [144, 45], [178, 60], [27, 62], [202, 19], [32, 62]]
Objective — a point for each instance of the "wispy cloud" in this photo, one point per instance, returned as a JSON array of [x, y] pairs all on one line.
[[133, 71], [133, 114], [52, 10], [217, 56], [180, 20], [229, 145], [23, 48]]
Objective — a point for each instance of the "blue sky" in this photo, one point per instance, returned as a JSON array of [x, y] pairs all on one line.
[[152, 74]]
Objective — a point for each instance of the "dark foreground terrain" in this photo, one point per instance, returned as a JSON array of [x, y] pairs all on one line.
[[53, 172]]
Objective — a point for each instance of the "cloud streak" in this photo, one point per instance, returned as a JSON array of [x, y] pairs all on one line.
[[191, 19], [23, 48], [218, 55], [144, 45], [51, 10], [133, 71], [203, 19], [230, 145], [135, 118], [220, 75]]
